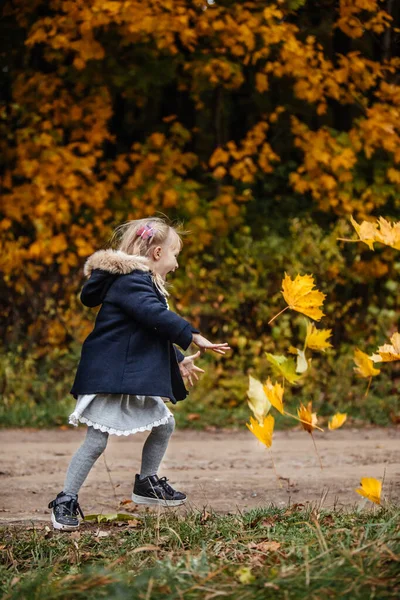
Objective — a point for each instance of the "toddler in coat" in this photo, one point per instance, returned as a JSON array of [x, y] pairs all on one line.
[[130, 366]]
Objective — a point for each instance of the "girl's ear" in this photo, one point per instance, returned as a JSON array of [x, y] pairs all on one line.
[[156, 252]]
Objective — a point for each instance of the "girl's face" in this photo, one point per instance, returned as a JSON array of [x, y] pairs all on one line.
[[164, 258]]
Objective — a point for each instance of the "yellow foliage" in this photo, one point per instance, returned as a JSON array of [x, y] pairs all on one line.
[[388, 352], [301, 296], [309, 419], [264, 431], [274, 394], [337, 421], [317, 339], [371, 488], [364, 365]]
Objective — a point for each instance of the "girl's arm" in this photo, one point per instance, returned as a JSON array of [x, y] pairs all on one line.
[[136, 296]]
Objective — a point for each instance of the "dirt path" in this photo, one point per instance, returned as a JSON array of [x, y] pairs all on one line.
[[225, 471]]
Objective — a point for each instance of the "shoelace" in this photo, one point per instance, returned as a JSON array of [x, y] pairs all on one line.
[[167, 488], [69, 508]]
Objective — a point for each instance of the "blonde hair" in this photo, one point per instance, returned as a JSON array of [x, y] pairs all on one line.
[[127, 238]]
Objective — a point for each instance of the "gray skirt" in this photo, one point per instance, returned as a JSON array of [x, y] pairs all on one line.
[[120, 414]]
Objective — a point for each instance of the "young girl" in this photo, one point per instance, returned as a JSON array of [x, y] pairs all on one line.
[[129, 366]]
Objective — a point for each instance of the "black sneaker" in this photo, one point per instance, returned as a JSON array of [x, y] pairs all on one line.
[[65, 512], [155, 491]]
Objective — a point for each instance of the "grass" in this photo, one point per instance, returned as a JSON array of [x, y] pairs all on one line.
[[297, 552]]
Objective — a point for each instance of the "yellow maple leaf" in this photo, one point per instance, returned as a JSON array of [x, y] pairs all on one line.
[[389, 234], [317, 339], [371, 488], [308, 418], [257, 399], [274, 394], [301, 296], [367, 232], [387, 352], [264, 431], [365, 365], [337, 421]]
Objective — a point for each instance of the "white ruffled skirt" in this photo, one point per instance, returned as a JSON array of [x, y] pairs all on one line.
[[120, 414]]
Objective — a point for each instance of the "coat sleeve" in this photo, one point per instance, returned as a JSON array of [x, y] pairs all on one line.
[[179, 355], [137, 297]]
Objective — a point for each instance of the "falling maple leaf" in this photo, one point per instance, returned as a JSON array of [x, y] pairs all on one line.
[[301, 362], [367, 232], [365, 365], [337, 421], [387, 352], [274, 394], [317, 339], [389, 234], [301, 296], [257, 399], [284, 366], [308, 418], [263, 432], [371, 488], [382, 231], [309, 421]]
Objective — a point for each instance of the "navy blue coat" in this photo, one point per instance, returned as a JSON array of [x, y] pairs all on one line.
[[130, 350]]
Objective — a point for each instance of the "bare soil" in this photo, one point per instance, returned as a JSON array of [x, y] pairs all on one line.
[[224, 471]]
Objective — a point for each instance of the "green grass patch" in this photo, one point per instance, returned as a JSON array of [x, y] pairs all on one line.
[[297, 552]]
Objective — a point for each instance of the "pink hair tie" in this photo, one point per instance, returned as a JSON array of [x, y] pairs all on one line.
[[146, 232]]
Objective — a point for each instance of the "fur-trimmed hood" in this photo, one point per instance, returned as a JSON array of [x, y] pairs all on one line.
[[115, 262], [108, 265]]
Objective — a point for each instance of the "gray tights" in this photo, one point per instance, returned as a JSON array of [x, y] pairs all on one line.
[[95, 443]]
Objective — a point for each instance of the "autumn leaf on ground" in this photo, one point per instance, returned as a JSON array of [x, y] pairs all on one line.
[[367, 233], [274, 394], [371, 488], [387, 352], [337, 421], [301, 296], [389, 234], [284, 366], [264, 431], [317, 339], [257, 399], [245, 575]]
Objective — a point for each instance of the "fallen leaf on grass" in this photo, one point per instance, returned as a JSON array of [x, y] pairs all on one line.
[[371, 488], [266, 546], [147, 548], [135, 523], [245, 575], [100, 518], [101, 534]]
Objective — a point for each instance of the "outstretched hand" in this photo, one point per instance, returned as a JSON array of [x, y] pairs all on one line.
[[205, 344], [188, 368]]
